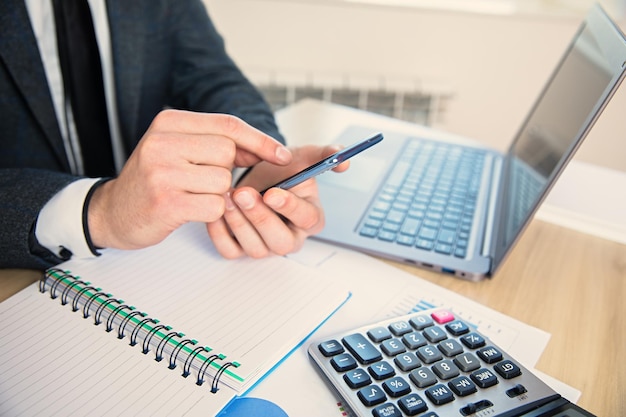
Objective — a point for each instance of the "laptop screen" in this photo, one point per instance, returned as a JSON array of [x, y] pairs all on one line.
[[573, 98]]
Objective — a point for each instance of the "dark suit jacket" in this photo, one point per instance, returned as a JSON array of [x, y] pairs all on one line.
[[165, 53]]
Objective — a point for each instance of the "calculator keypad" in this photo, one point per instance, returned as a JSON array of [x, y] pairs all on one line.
[[426, 364]]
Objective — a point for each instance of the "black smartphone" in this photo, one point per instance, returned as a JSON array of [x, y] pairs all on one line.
[[327, 163]]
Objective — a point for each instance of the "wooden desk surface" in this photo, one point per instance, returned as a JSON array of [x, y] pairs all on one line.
[[567, 283]]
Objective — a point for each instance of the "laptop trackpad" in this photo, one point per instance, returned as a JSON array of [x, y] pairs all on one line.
[[364, 173]]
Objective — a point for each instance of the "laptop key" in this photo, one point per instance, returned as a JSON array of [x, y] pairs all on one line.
[[443, 248], [374, 223], [368, 232], [377, 215], [447, 236], [387, 236], [395, 216], [424, 244], [433, 224], [410, 227], [449, 225], [428, 233], [405, 240], [391, 227], [381, 205]]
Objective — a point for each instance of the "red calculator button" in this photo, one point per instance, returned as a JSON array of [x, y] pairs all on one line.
[[442, 316]]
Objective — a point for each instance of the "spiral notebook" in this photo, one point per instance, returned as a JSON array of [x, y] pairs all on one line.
[[169, 330]]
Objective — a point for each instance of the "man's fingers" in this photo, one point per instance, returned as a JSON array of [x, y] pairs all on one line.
[[282, 223], [248, 224], [225, 243], [245, 137], [303, 214]]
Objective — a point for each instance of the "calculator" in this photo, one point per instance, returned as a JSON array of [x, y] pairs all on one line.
[[431, 364]]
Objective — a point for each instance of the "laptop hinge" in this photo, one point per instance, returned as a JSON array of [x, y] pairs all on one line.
[[492, 209]]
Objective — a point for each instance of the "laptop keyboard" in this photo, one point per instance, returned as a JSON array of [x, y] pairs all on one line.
[[429, 198]]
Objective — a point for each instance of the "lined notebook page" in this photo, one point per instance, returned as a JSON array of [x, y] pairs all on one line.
[[252, 311], [54, 363]]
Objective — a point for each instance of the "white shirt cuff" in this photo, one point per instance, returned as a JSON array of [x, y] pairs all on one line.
[[59, 226]]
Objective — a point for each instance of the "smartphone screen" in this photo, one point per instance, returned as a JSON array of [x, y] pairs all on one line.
[[327, 163]]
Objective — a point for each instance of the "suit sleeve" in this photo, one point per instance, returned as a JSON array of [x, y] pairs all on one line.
[[206, 79], [24, 192]]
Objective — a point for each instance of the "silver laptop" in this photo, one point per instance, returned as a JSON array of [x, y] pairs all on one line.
[[459, 209]]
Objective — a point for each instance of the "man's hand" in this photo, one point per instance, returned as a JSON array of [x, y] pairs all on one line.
[[179, 172], [277, 222]]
